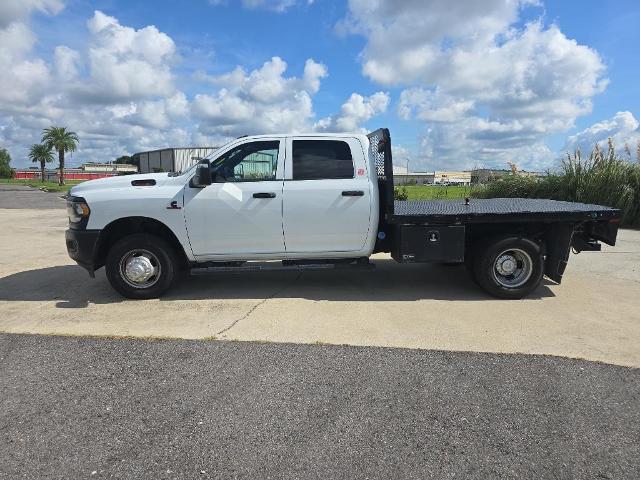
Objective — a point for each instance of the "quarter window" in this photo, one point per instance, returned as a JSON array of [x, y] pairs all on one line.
[[249, 162], [321, 159]]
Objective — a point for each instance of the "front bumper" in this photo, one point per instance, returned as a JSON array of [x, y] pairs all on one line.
[[82, 247]]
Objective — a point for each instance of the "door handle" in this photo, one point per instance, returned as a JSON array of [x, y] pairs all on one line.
[[352, 193], [264, 195]]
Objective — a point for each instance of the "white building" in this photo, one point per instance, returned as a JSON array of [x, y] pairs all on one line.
[[171, 159], [402, 177], [109, 168], [452, 178]]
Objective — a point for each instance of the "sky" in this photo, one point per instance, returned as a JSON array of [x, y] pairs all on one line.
[[460, 83]]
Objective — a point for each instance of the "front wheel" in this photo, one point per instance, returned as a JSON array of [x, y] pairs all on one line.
[[509, 267], [140, 266]]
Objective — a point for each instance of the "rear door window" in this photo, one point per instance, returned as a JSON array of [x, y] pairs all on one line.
[[321, 159]]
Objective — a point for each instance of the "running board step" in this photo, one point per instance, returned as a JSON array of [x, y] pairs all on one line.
[[286, 265]]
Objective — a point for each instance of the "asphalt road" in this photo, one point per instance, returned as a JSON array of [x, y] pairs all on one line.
[[125, 408], [20, 197]]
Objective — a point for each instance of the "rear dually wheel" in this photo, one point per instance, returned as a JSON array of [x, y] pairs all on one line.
[[509, 268]]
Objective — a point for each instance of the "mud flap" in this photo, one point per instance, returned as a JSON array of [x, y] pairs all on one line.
[[605, 231], [558, 241]]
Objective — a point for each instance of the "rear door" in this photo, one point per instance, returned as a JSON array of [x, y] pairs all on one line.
[[240, 213], [327, 198]]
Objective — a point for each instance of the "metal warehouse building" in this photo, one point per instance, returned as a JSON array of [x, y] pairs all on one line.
[[171, 159]]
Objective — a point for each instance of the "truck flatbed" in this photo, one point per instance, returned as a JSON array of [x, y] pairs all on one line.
[[496, 210]]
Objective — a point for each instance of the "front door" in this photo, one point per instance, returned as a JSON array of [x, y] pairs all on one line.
[[240, 213]]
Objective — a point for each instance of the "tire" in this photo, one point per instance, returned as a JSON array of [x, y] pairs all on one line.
[[152, 266], [509, 268]]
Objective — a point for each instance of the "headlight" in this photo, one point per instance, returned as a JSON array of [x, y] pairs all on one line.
[[78, 212]]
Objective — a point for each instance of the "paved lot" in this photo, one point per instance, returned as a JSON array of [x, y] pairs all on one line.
[[594, 314], [76, 407], [21, 196], [191, 409]]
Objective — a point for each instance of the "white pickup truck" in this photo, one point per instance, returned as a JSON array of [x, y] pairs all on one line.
[[310, 202]]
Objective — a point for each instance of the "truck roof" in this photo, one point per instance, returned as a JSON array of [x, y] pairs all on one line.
[[319, 135]]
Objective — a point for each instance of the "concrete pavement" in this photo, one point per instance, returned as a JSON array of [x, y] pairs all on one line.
[[594, 314], [76, 407]]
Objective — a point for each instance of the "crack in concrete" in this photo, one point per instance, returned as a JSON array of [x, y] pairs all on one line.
[[261, 302]]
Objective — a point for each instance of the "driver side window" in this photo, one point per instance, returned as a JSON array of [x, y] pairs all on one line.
[[249, 162]]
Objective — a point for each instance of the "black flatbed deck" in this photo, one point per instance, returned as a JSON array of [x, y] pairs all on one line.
[[496, 210], [459, 212]]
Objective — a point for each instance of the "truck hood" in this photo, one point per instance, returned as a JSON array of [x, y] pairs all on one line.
[[121, 181]]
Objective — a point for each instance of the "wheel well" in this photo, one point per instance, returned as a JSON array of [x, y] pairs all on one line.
[[126, 226], [554, 240], [477, 234]]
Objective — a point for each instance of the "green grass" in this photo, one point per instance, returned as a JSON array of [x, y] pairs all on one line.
[[436, 192], [45, 186]]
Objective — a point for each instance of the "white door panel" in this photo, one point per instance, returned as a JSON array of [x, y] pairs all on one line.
[[318, 218], [241, 212], [226, 219], [326, 215]]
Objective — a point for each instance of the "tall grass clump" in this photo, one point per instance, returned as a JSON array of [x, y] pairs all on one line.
[[604, 178]]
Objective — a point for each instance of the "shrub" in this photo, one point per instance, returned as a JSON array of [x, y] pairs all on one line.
[[400, 193]]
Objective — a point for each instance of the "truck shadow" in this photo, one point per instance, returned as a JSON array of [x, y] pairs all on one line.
[[70, 286]]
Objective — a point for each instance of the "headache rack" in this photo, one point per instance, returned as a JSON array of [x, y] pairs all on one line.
[[380, 153]]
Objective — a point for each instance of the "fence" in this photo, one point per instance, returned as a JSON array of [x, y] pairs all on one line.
[[52, 176]]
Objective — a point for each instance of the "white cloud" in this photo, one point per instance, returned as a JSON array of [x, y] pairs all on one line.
[[23, 79], [118, 94], [261, 101], [66, 61], [313, 73], [177, 105], [432, 106], [354, 112], [125, 63], [410, 40], [276, 5], [19, 10], [155, 114], [623, 128], [476, 142], [279, 6], [474, 76]]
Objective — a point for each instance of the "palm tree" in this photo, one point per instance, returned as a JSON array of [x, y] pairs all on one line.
[[40, 152], [61, 140]]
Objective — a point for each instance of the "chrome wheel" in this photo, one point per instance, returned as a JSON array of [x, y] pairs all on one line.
[[512, 268], [140, 268]]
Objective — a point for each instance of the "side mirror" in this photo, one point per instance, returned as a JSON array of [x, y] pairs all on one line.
[[202, 177]]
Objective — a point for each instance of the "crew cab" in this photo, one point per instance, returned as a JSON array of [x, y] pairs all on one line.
[[312, 202]]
